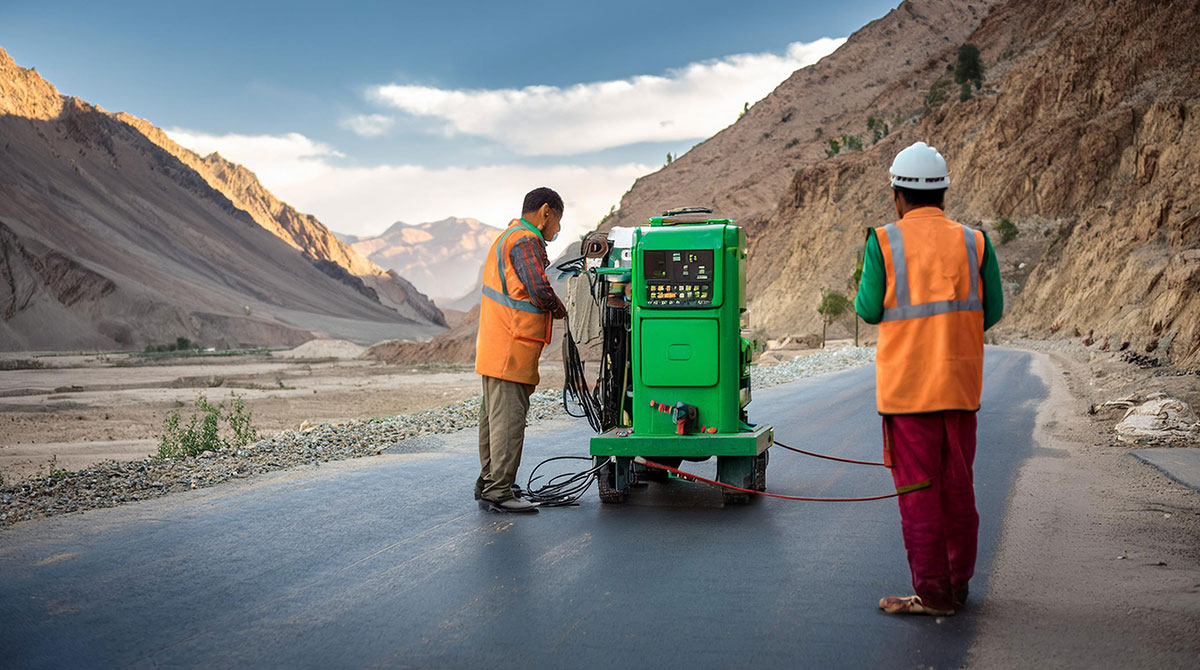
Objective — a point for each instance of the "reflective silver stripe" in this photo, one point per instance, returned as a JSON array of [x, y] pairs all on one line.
[[899, 265], [523, 305], [501, 259], [931, 309], [904, 308], [504, 298], [972, 262]]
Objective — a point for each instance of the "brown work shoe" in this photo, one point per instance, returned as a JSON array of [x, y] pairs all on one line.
[[910, 605]]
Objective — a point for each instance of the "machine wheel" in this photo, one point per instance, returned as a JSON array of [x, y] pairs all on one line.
[[740, 471], [606, 484], [760, 470]]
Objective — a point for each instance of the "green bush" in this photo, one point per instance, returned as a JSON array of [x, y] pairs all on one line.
[[1007, 231], [965, 92], [878, 127], [847, 142], [203, 430], [937, 93]]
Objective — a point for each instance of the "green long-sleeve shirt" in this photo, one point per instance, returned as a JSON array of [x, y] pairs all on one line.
[[873, 284]]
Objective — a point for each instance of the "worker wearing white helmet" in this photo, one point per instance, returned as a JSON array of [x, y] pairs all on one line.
[[933, 286]]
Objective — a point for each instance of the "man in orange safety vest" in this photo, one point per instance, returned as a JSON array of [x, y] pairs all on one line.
[[933, 286], [515, 317]]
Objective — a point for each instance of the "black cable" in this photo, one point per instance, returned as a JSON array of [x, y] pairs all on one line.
[[564, 489]]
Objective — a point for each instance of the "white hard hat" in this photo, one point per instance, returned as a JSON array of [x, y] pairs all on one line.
[[920, 167]]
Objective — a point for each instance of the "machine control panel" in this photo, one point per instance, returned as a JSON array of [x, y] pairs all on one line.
[[679, 278]]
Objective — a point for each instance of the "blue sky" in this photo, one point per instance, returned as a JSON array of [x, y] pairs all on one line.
[[373, 112]]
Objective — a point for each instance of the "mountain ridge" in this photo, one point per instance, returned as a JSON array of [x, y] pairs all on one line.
[[109, 241]]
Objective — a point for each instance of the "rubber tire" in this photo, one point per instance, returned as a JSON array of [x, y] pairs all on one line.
[[760, 470], [605, 484]]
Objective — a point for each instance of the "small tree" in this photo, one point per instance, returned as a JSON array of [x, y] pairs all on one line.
[[968, 67], [745, 108], [670, 159], [833, 305]]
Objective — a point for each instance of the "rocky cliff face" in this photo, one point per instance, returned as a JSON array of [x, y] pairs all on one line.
[[1083, 135], [441, 258], [743, 170], [108, 241]]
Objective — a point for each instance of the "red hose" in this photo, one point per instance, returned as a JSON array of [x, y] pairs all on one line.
[[698, 478], [829, 458]]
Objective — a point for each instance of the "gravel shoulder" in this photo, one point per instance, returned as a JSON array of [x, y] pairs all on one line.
[[113, 482], [1099, 563]]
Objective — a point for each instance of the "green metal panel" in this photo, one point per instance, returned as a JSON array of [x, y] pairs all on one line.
[[673, 356], [623, 442]]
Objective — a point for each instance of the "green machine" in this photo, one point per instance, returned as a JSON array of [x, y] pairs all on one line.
[[675, 384]]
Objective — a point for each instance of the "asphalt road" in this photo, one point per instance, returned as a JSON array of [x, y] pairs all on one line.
[[388, 562]]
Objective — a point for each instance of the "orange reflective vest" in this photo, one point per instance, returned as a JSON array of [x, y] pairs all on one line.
[[512, 330], [929, 356]]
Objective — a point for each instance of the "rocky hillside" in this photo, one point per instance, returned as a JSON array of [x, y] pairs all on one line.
[[109, 241], [1083, 135], [441, 258], [743, 170], [301, 231]]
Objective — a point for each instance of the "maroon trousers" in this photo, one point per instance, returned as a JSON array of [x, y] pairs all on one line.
[[939, 521]]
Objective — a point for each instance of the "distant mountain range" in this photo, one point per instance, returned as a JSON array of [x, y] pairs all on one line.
[[113, 236], [442, 259]]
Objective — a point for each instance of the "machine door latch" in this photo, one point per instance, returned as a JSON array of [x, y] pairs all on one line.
[[683, 414]]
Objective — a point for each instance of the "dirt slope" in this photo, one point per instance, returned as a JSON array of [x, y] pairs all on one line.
[[108, 241]]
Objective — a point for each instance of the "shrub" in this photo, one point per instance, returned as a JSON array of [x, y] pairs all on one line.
[[791, 143], [965, 92], [203, 433], [1007, 230], [878, 127], [937, 93], [834, 148]]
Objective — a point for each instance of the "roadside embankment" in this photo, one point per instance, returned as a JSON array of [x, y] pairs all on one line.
[[114, 482]]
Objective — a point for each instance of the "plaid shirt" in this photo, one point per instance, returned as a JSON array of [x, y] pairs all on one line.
[[529, 261]]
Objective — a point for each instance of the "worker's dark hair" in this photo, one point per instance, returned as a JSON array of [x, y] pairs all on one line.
[[918, 197], [542, 196]]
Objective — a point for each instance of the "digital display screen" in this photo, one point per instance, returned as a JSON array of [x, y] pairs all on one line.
[[679, 278]]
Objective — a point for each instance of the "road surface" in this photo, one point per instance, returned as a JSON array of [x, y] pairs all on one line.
[[388, 562]]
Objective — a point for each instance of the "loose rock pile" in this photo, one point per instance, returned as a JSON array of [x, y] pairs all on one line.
[[113, 482]]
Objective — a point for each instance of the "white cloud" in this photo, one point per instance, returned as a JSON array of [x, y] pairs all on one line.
[[276, 159], [365, 200], [691, 102], [367, 125]]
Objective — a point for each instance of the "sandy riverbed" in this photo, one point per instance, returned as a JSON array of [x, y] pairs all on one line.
[[82, 409]]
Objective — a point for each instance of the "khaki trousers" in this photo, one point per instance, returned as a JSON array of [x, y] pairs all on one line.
[[501, 436]]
